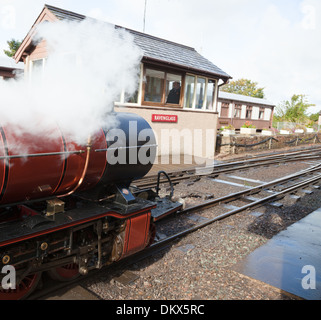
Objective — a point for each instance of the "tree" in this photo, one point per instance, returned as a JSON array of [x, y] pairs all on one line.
[[294, 110], [245, 87], [314, 117], [13, 47]]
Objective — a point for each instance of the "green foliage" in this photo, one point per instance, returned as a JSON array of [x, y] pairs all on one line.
[[294, 110], [13, 47], [229, 127], [245, 87], [314, 117]]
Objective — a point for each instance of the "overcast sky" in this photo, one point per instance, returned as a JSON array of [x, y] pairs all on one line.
[[276, 43]]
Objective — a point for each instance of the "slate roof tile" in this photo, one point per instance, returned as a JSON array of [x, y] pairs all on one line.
[[157, 48]]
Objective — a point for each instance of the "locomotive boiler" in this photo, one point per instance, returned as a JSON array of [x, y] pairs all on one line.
[[67, 208]]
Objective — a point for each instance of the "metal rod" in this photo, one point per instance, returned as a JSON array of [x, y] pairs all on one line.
[[41, 155], [132, 147]]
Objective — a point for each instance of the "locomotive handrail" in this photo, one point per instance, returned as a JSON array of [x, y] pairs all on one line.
[[40, 154], [126, 147]]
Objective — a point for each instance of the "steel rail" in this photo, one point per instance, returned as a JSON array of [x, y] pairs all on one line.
[[260, 158], [294, 155], [232, 212], [253, 190], [184, 175]]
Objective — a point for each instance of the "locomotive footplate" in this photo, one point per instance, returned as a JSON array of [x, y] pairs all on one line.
[[165, 207], [90, 234], [37, 224]]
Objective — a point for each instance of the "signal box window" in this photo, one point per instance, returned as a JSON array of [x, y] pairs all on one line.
[[173, 88], [154, 86], [189, 91], [161, 87], [210, 95], [200, 92]]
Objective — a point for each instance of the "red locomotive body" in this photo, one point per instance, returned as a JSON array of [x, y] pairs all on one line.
[[48, 168], [67, 208]]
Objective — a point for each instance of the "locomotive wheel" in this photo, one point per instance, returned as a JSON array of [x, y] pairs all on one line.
[[23, 289], [68, 272]]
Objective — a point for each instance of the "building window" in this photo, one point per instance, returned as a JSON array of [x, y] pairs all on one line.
[[210, 94], [261, 114], [173, 88], [189, 91], [200, 92], [237, 111], [248, 112], [154, 86], [225, 109], [166, 88], [162, 87]]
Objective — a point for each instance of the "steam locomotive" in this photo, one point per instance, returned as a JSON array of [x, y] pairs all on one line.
[[66, 209]]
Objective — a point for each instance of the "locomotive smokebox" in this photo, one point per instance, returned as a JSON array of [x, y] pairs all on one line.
[[131, 149], [58, 167]]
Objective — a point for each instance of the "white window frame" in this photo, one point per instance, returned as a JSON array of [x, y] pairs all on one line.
[[205, 93], [122, 101]]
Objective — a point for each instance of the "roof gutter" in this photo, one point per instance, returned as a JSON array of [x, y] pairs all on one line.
[[226, 81]]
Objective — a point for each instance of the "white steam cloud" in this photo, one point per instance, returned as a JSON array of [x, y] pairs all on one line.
[[88, 66]]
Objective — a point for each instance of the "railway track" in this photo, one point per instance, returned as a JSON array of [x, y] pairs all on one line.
[[289, 184], [240, 164], [251, 198]]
